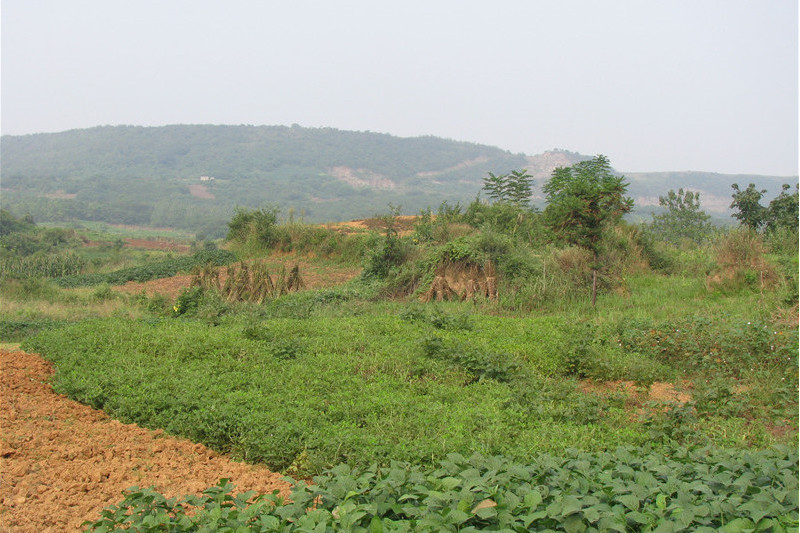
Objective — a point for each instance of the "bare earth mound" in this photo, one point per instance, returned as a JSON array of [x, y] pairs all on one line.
[[62, 462]]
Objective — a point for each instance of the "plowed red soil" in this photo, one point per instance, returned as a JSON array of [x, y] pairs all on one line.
[[62, 462]]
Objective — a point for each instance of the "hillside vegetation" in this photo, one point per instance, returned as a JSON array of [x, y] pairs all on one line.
[[493, 366], [151, 176], [154, 176]]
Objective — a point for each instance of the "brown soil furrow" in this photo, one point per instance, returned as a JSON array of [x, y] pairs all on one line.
[[62, 462]]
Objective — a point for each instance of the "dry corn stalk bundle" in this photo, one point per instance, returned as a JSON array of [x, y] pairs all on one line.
[[251, 282], [262, 284], [439, 290], [280, 282], [462, 281], [230, 278], [295, 282], [206, 277]]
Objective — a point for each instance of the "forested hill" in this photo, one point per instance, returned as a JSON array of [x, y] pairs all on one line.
[[156, 175], [192, 176]]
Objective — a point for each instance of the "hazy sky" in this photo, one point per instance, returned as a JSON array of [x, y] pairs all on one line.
[[654, 85]]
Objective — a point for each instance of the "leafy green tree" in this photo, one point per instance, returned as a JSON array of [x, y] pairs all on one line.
[[514, 188], [747, 204], [783, 210], [582, 200], [518, 187], [683, 218], [495, 186]]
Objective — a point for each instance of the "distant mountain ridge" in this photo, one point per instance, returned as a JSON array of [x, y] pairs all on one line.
[[193, 176]]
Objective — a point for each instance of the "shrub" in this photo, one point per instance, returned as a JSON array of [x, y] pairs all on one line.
[[254, 228], [388, 253], [741, 263], [590, 353], [477, 364]]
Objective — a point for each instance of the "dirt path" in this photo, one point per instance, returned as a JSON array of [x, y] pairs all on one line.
[[62, 462]]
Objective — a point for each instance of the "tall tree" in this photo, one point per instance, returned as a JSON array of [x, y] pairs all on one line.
[[783, 209], [582, 200], [514, 188], [747, 204], [683, 218], [495, 186], [518, 187]]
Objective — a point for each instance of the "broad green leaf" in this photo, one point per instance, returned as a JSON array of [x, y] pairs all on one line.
[[591, 514], [465, 505], [529, 518], [486, 512], [661, 501], [630, 501], [738, 525], [573, 524], [449, 483], [639, 518], [456, 516], [375, 525], [754, 510], [571, 505], [612, 523], [533, 499], [664, 526], [554, 509]]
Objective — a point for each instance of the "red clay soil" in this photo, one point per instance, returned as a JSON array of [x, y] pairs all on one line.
[[169, 287], [62, 462], [660, 392], [404, 225]]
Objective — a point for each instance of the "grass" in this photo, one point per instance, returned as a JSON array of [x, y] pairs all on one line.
[[316, 378]]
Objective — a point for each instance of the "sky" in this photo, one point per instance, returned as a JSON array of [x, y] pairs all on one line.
[[654, 85]]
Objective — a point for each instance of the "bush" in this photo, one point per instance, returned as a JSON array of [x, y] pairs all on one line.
[[477, 364], [741, 263], [589, 353], [255, 228], [387, 254]]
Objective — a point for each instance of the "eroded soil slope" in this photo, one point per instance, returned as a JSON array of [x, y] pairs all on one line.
[[62, 462]]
